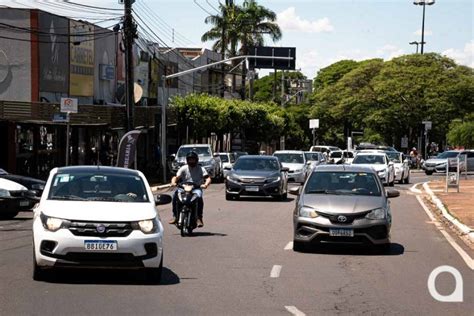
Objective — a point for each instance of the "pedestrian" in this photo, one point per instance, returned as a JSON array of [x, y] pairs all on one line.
[[414, 157]]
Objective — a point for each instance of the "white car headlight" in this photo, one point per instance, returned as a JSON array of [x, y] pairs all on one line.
[[306, 211], [4, 193], [148, 226], [53, 223], [378, 213]]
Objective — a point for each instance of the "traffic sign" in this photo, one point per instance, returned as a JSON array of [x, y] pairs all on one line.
[[69, 105], [404, 142], [314, 123]]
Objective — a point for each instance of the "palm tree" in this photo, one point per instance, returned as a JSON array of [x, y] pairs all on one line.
[[245, 25]]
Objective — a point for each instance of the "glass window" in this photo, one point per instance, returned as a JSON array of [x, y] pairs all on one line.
[[257, 164], [98, 187], [448, 154], [290, 158], [224, 158], [201, 151], [369, 159], [359, 183]]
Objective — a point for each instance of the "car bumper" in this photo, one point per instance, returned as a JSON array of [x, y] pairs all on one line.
[[63, 249], [376, 232], [16, 204], [296, 177], [270, 189]]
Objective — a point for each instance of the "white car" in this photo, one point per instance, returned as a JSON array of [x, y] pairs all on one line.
[[402, 169], [93, 216], [295, 161], [227, 161], [380, 162]]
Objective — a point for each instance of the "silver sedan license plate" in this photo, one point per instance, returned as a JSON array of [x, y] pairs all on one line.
[[341, 232], [251, 189], [100, 245]]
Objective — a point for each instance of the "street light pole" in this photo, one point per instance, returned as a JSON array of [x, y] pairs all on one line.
[[423, 3]]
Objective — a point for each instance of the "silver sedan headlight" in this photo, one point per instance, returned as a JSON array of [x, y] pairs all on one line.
[[4, 193], [378, 213], [273, 179], [309, 212], [233, 178]]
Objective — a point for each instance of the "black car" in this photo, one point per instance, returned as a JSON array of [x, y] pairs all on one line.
[[15, 198], [257, 176], [34, 185]]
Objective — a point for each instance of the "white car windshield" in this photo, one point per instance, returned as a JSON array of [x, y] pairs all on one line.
[[201, 151], [448, 154], [350, 183], [290, 158], [84, 186], [368, 159]]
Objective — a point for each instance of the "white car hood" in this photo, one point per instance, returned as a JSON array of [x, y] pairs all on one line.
[[98, 211], [436, 161], [11, 185], [293, 166], [374, 166]]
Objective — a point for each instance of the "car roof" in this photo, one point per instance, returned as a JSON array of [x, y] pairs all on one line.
[[94, 169], [288, 152], [371, 154], [342, 168], [257, 157], [195, 145]]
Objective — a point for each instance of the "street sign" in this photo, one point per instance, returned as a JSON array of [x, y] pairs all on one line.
[[404, 142], [274, 52], [60, 118], [427, 124], [314, 123], [69, 105]]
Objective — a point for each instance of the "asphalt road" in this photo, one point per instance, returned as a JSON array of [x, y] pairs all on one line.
[[237, 265]]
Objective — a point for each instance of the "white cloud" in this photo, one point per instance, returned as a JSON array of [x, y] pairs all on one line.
[[427, 32], [464, 56], [289, 21]]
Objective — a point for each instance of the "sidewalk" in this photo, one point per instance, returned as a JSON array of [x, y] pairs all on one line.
[[459, 205]]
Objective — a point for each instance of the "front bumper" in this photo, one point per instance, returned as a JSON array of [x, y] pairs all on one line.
[[296, 177], [268, 189], [366, 231], [63, 249], [16, 204]]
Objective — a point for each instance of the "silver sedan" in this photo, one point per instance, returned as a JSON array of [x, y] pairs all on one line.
[[342, 204]]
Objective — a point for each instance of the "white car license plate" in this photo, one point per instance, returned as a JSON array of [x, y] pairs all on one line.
[[100, 245], [341, 232], [251, 189], [24, 203]]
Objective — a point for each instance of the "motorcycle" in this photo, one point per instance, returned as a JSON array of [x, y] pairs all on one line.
[[187, 205]]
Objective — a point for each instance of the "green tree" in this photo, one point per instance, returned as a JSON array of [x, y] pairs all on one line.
[[332, 73], [462, 133]]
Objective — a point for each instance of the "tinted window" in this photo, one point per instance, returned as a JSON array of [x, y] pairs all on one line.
[[257, 164], [224, 158], [201, 151], [368, 159], [311, 156], [358, 183], [290, 158], [336, 154], [98, 187], [394, 156]]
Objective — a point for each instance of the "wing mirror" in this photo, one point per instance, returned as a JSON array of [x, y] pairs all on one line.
[[393, 193], [294, 191], [162, 199]]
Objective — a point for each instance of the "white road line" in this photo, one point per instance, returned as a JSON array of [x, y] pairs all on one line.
[[275, 273], [469, 261], [414, 189], [294, 311], [289, 246]]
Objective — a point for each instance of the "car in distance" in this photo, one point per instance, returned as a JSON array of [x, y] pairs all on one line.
[[36, 186], [257, 176], [15, 198], [208, 160], [402, 169], [380, 162], [295, 161], [342, 204], [324, 149], [438, 164], [227, 161], [93, 216]]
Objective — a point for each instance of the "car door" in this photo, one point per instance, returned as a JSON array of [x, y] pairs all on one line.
[[470, 161]]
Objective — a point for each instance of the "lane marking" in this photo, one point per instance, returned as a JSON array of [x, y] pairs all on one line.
[[289, 246], [467, 259], [294, 311], [275, 273], [414, 189]]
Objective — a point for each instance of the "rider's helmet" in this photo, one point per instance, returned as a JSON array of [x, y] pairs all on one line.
[[192, 158]]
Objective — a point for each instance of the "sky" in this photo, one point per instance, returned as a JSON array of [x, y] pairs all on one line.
[[323, 31]]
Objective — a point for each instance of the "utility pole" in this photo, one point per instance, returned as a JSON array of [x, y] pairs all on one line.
[[129, 35], [282, 102]]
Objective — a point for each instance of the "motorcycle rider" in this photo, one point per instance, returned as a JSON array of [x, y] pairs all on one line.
[[191, 172]]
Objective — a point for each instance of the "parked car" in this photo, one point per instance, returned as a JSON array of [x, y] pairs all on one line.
[[207, 159], [295, 161], [227, 161], [257, 176], [32, 184], [438, 164], [14, 198], [402, 168], [94, 216], [380, 162], [323, 149], [342, 204]]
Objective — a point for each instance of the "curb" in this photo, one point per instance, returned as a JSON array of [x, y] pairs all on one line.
[[460, 226]]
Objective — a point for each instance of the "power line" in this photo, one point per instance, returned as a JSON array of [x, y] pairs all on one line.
[[90, 6], [202, 8]]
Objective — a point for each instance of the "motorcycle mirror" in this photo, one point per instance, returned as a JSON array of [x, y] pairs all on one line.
[[162, 199]]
